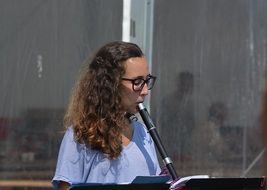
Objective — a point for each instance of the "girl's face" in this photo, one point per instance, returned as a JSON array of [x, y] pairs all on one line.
[[135, 68]]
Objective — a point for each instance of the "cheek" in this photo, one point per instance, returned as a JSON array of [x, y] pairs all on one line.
[[133, 98], [129, 98]]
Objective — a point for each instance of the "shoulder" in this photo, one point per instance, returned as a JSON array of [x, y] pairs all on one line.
[[69, 136], [72, 149], [69, 147], [69, 132]]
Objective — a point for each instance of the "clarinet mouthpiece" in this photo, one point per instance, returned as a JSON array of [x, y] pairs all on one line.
[[141, 106]]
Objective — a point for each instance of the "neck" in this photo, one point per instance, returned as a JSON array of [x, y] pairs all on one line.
[[127, 134]]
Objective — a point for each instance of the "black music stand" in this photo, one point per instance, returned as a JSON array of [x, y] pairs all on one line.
[[140, 183], [121, 187], [226, 184]]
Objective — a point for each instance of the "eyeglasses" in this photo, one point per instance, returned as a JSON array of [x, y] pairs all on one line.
[[139, 83]]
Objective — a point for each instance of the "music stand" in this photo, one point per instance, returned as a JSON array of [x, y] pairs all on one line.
[[120, 187], [226, 184], [140, 183]]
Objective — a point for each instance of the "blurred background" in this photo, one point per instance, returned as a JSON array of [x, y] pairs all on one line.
[[209, 58]]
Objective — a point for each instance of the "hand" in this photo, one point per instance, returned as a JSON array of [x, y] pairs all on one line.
[[165, 172], [180, 186]]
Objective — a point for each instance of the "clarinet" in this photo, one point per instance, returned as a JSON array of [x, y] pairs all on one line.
[[155, 136]]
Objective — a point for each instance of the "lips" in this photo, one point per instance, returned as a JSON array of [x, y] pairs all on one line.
[[138, 102]]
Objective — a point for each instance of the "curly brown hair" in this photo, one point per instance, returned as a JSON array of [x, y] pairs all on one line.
[[95, 110]]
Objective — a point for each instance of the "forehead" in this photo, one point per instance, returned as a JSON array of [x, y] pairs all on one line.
[[136, 66]]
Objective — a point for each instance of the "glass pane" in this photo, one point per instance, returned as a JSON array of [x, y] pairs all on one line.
[[43, 43], [210, 59]]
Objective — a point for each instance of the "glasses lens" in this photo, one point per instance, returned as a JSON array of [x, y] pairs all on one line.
[[150, 83], [138, 84]]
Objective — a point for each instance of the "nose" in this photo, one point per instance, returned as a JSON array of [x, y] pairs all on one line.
[[144, 90]]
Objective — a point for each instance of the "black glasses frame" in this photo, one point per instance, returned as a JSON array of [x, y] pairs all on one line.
[[150, 81]]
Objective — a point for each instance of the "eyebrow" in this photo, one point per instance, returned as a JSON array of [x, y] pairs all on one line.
[[139, 77]]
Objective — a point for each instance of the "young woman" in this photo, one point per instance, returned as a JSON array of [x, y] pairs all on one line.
[[102, 144]]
